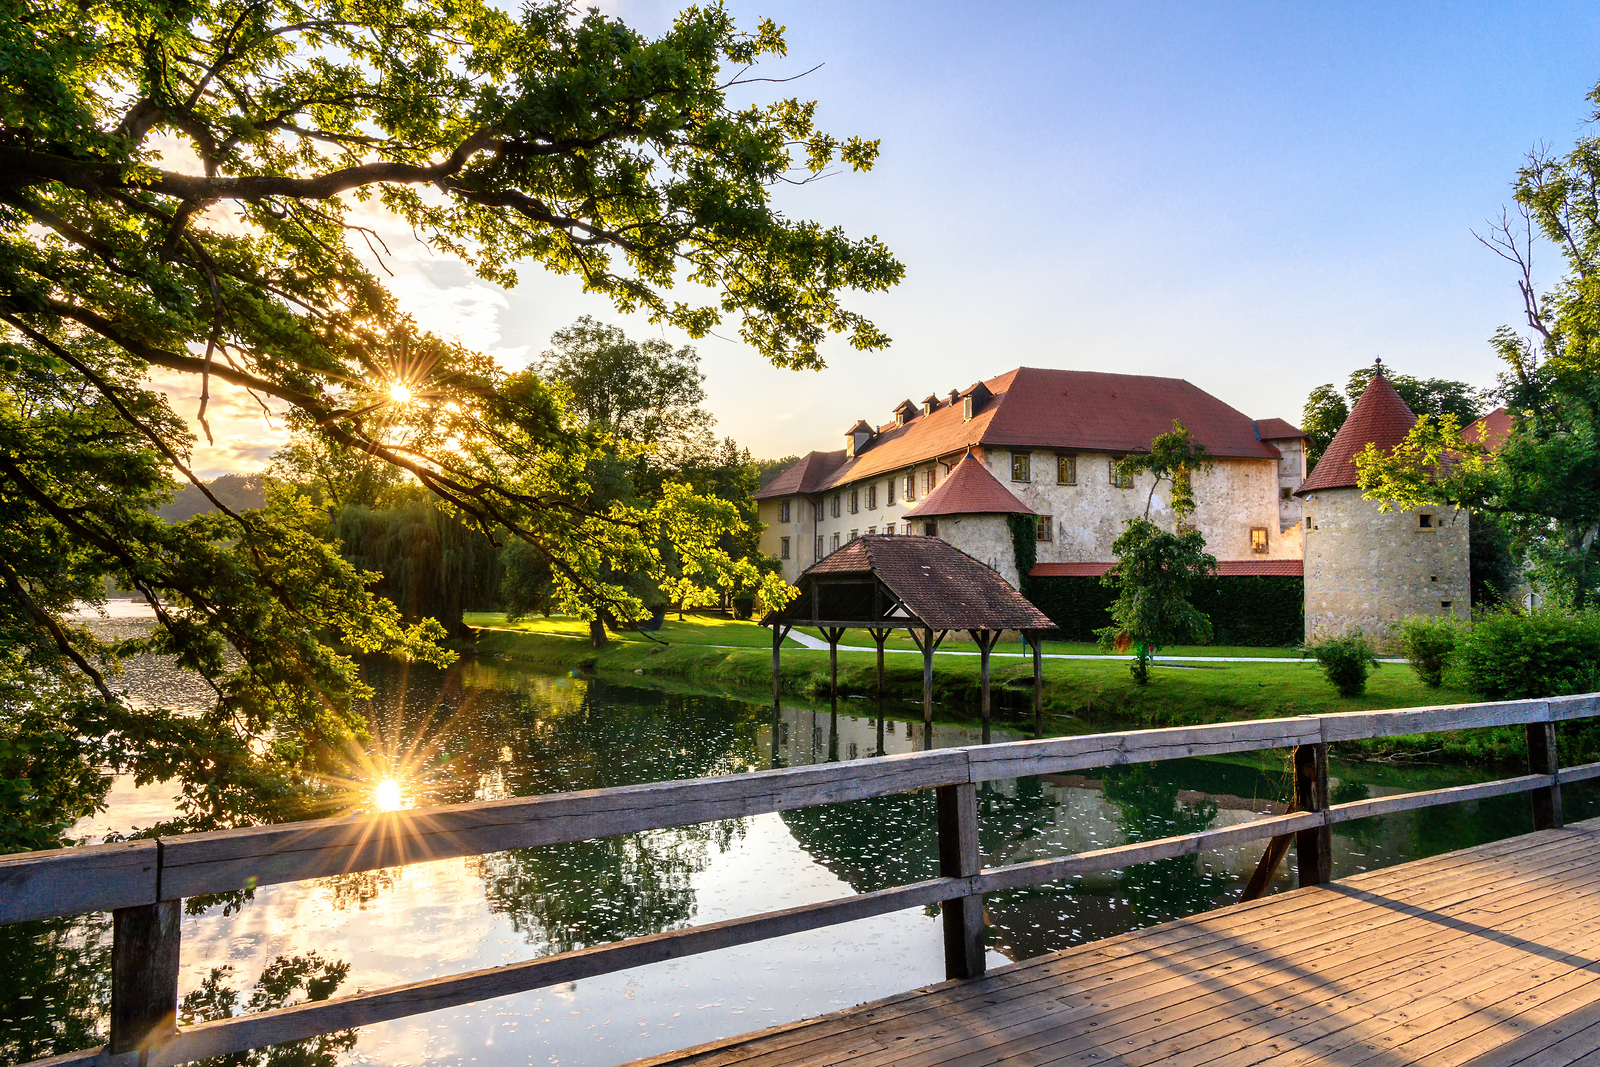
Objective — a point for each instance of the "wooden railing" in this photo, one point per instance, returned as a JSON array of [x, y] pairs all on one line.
[[144, 882]]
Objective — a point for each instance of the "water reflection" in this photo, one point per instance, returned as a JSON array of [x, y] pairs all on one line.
[[484, 731]]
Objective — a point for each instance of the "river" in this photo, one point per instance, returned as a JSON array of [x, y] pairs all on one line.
[[481, 731]]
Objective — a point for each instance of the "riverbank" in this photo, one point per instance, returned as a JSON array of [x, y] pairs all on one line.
[[1079, 695]]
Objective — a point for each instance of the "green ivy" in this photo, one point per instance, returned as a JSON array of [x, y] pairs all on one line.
[[1024, 543]]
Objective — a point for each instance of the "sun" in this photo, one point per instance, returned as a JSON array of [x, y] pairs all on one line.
[[400, 393], [388, 795]]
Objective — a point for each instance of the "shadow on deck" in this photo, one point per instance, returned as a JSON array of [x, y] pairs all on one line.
[[1489, 956]]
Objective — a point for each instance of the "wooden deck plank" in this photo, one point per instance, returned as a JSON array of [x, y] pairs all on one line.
[[1462, 959], [1059, 973]]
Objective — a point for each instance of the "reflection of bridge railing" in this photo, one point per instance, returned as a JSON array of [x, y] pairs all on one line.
[[143, 882]]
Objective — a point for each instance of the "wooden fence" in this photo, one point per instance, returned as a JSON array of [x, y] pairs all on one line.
[[144, 882]]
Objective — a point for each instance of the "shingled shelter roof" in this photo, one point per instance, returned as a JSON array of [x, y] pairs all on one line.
[[910, 580], [969, 490], [1380, 417]]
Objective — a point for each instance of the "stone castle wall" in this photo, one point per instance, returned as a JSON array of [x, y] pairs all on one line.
[[1369, 569], [986, 538]]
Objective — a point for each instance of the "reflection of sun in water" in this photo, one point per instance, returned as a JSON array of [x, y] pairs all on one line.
[[388, 795], [400, 393]]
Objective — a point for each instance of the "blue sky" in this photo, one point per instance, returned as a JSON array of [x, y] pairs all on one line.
[[1255, 198]]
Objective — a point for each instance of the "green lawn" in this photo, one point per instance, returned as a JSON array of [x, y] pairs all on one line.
[[1079, 695]]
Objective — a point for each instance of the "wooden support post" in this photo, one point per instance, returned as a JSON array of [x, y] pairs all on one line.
[[958, 858], [1313, 849], [833, 666], [144, 975], [1544, 759], [1038, 685], [777, 686], [985, 640], [927, 679]]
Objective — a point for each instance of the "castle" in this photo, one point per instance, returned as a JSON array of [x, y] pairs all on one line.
[[1043, 445]]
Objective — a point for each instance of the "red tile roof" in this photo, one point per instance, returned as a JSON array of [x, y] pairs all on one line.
[[946, 588], [806, 476], [969, 489], [1278, 430], [1066, 409], [1227, 568], [1380, 417], [1490, 431]]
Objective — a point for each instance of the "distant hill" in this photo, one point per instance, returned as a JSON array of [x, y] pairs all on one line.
[[771, 468], [237, 491]]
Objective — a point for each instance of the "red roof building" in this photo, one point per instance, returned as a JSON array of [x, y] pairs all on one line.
[[1044, 442], [1380, 418]]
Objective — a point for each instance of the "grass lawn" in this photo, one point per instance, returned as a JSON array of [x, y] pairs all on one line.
[[1079, 695]]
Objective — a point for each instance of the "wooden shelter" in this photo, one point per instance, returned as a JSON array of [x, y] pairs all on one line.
[[881, 583]]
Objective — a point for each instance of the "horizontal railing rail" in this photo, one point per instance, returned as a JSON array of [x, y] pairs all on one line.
[[142, 882]]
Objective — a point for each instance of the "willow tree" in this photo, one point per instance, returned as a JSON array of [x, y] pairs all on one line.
[[560, 139]]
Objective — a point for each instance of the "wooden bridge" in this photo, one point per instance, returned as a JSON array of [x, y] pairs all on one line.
[[1486, 956]]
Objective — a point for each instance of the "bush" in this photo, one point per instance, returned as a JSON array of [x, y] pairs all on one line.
[[1427, 641], [1346, 661], [1509, 655]]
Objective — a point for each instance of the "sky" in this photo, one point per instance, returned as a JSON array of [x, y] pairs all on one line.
[[1257, 198]]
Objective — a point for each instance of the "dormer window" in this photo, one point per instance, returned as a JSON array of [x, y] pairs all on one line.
[[929, 404], [966, 408]]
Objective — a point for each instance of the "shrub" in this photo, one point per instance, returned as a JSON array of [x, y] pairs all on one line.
[[1428, 641], [1548, 652], [1346, 660]]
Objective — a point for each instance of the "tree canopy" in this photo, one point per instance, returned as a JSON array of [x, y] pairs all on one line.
[[558, 138], [1543, 482]]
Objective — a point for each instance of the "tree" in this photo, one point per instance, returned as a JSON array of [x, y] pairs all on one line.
[[648, 393], [1156, 570], [560, 138], [1542, 485], [1324, 413]]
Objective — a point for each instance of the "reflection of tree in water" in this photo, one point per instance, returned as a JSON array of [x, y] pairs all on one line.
[[480, 733], [1148, 809], [566, 897], [55, 986], [286, 981]]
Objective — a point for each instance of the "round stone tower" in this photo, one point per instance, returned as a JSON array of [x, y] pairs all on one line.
[[1366, 568]]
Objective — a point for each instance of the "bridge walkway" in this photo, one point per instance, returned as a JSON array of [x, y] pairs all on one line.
[[1488, 957]]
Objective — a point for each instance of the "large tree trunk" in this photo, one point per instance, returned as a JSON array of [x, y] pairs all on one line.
[[597, 632]]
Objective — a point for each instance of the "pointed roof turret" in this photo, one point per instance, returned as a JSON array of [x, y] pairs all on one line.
[[1380, 418], [969, 490]]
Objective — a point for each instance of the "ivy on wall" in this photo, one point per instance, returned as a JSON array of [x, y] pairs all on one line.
[[1024, 542], [1257, 610]]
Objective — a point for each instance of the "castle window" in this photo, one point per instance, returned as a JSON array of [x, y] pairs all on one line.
[[1258, 539], [872, 497], [817, 553], [1119, 479], [855, 501], [889, 496], [1445, 604], [836, 505], [888, 530], [871, 530], [783, 548], [836, 540], [1308, 522], [1424, 521], [930, 529], [1285, 493], [1021, 467], [1066, 470], [783, 513], [854, 534], [911, 486], [816, 511], [1043, 527], [930, 480]]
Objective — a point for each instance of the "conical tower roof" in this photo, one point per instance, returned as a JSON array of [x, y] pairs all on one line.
[[969, 490], [1380, 418]]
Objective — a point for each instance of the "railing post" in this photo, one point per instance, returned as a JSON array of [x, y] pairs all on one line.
[[958, 858], [1313, 849], [1544, 759], [144, 976]]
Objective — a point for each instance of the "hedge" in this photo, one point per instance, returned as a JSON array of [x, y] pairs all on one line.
[[1259, 610]]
